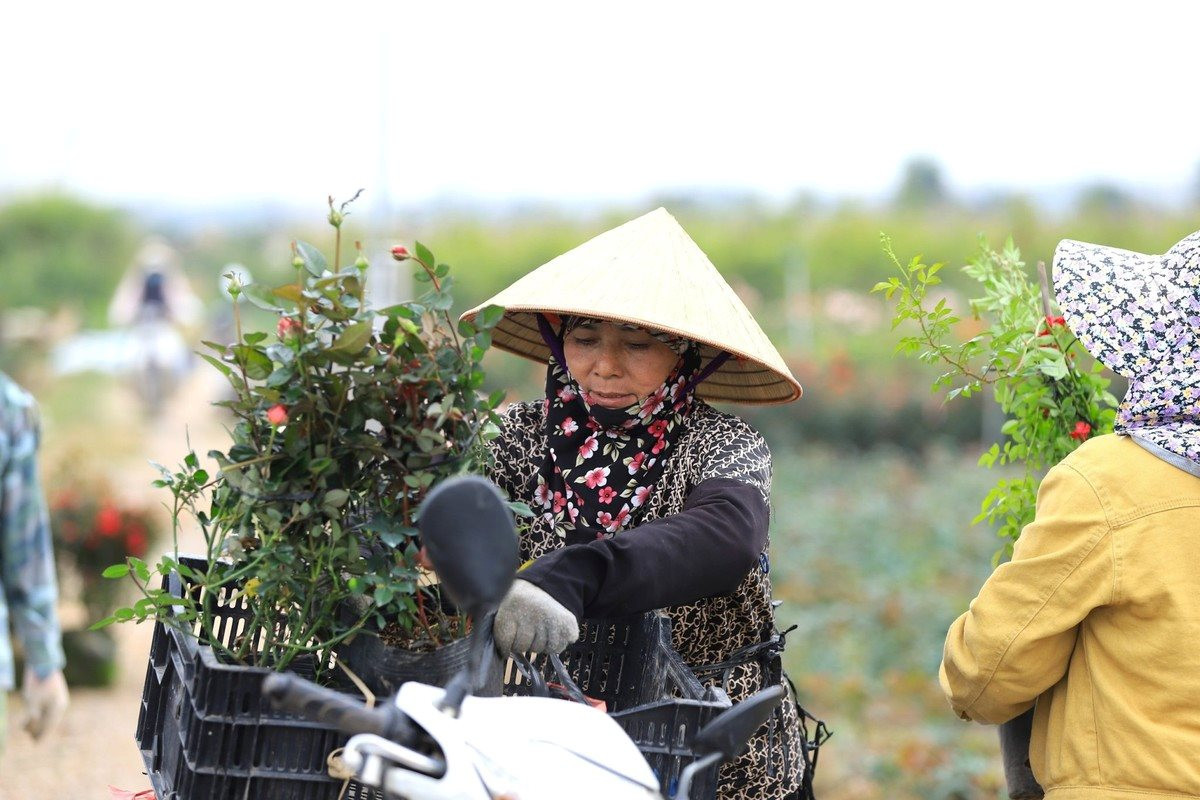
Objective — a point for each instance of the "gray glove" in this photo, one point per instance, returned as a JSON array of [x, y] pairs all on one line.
[[531, 620]]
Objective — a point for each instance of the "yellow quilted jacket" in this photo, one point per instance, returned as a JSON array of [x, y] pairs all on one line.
[[1097, 618]]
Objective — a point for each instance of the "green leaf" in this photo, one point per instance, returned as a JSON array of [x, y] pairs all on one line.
[[116, 571], [313, 260], [425, 254], [221, 366], [353, 339], [289, 291], [489, 317], [336, 497], [253, 361], [262, 297], [519, 508], [281, 377]]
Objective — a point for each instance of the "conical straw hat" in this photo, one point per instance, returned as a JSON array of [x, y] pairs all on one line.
[[649, 272]]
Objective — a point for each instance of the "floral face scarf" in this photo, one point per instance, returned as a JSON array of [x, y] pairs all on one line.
[[603, 464], [1140, 315]]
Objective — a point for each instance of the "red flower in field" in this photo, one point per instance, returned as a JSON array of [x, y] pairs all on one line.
[[287, 328], [400, 253], [108, 521], [1082, 431], [277, 414]]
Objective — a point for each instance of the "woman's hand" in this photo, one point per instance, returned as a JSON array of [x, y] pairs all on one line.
[[531, 620]]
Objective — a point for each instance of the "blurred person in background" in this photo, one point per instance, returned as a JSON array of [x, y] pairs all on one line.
[[30, 592], [155, 304], [645, 497], [1095, 621]]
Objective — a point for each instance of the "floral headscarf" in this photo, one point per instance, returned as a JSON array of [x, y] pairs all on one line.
[[602, 464], [1140, 316]]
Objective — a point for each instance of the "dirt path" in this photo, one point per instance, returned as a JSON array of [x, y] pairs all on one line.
[[94, 747]]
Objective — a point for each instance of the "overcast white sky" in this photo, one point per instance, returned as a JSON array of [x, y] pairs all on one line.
[[220, 102]]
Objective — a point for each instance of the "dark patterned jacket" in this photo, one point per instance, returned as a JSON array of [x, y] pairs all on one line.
[[698, 550]]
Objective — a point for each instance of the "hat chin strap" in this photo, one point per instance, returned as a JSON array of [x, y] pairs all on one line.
[[555, 343], [709, 368], [552, 339]]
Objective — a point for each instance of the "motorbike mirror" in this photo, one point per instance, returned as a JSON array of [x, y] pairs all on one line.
[[470, 539], [729, 732]]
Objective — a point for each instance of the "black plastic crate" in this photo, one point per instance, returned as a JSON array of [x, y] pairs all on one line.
[[648, 688], [207, 733]]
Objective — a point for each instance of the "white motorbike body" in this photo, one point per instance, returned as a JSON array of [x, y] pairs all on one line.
[[520, 748]]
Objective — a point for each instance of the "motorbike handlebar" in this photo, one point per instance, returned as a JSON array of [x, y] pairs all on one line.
[[309, 701]]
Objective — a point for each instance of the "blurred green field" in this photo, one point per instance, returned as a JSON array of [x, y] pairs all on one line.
[[873, 558]]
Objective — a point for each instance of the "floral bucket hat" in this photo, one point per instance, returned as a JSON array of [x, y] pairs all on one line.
[[1140, 316], [648, 272]]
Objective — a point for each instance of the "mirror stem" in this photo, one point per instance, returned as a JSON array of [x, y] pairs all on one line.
[[478, 660]]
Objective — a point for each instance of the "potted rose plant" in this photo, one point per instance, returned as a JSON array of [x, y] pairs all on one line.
[[1053, 395], [344, 416], [92, 530]]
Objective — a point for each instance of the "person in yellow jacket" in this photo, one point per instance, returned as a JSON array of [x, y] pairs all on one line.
[[1096, 619]]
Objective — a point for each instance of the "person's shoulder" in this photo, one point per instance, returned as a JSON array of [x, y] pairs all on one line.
[[1130, 476], [706, 421], [1108, 457]]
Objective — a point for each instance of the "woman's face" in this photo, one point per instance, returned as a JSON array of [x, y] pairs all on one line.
[[614, 366]]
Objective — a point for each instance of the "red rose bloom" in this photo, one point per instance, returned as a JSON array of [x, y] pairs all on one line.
[[1082, 431], [400, 252], [277, 414]]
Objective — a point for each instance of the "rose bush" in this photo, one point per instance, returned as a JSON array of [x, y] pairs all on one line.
[[1053, 394], [345, 416]]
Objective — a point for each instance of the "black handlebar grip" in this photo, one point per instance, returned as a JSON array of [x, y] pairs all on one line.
[[309, 701]]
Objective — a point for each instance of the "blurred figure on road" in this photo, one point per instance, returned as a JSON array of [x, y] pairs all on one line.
[[155, 303], [29, 589]]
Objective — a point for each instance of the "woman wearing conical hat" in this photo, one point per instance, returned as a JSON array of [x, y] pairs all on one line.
[[645, 497]]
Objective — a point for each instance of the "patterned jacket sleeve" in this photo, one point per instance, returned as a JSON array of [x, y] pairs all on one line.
[[740, 455], [26, 551]]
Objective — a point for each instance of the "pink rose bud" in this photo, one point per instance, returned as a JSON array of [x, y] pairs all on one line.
[[400, 252], [277, 414], [287, 328]]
